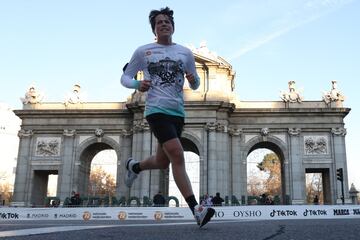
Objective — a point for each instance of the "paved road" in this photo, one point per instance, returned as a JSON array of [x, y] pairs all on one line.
[[339, 229]]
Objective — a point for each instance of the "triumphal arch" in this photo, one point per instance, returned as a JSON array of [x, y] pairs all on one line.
[[62, 138]]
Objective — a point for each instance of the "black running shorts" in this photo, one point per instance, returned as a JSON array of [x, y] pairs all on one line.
[[165, 127]]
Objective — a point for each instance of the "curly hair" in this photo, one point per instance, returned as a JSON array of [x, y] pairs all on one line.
[[165, 11]]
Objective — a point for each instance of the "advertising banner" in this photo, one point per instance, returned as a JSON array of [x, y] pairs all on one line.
[[276, 212]]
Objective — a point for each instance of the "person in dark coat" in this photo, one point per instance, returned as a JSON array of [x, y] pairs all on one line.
[[316, 200], [217, 200], [159, 200], [75, 199]]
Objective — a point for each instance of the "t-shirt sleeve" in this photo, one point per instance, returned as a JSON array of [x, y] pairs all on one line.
[[135, 65], [192, 69]]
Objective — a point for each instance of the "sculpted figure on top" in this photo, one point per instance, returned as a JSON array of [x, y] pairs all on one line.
[[74, 97], [292, 95], [32, 96], [334, 95]]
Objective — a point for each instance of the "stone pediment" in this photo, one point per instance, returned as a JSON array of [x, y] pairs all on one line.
[[211, 60], [217, 79]]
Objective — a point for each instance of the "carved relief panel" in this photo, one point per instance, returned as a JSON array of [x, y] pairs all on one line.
[[314, 145], [48, 146]]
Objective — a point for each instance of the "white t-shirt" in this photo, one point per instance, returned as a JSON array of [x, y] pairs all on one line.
[[165, 66]]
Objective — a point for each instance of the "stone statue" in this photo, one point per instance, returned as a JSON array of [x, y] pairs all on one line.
[[203, 50], [32, 96], [334, 95], [74, 97], [292, 95]]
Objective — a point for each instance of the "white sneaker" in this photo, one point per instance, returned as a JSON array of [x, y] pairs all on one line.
[[130, 175], [203, 214]]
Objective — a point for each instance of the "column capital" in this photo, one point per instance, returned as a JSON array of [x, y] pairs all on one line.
[[235, 132], [211, 126], [126, 132], [222, 127], [294, 131], [69, 132], [339, 131], [140, 126], [25, 133]]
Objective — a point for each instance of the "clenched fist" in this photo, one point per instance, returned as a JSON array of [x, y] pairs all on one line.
[[144, 85]]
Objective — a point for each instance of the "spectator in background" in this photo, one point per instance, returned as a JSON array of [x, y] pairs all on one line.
[[316, 200], [207, 201], [159, 200], [269, 201], [75, 199], [55, 203], [217, 200]]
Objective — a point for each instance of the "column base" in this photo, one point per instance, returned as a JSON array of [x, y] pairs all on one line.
[[297, 202], [17, 204]]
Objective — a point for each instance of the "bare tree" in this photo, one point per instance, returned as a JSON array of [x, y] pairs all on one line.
[[5, 193], [256, 184], [314, 187], [101, 183]]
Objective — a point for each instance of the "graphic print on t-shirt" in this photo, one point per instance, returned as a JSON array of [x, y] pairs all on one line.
[[167, 73]]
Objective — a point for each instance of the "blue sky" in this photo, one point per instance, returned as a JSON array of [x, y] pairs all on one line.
[[55, 44]]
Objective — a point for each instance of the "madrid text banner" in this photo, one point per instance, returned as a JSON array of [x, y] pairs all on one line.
[[175, 213]]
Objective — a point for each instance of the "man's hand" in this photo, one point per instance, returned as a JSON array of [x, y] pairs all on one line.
[[144, 85], [190, 77]]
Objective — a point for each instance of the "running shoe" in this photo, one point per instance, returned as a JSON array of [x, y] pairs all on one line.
[[130, 175], [203, 214]]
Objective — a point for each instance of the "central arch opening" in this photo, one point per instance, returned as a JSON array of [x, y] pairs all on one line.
[[102, 179], [97, 171], [265, 184]]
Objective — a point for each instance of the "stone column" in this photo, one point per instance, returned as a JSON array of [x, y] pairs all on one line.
[[235, 163], [338, 137], [125, 152], [203, 163], [222, 161], [22, 184], [146, 151], [64, 175], [137, 153], [141, 151], [296, 176], [211, 174]]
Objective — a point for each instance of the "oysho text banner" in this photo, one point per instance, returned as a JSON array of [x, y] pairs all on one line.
[[276, 212]]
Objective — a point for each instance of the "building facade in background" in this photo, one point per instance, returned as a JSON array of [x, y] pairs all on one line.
[[307, 136]]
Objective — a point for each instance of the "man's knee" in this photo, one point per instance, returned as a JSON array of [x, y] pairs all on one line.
[[164, 165], [176, 153]]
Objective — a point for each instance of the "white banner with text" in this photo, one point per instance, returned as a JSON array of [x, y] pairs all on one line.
[[276, 212]]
